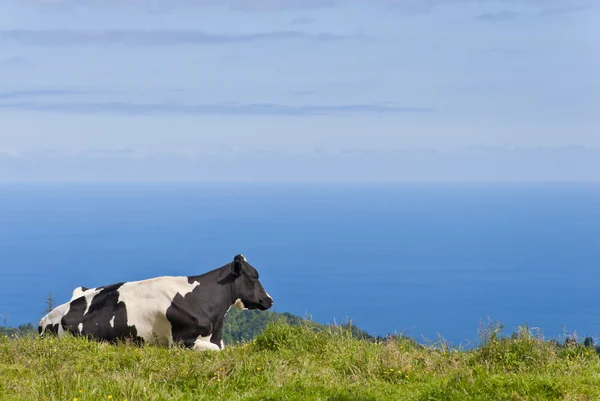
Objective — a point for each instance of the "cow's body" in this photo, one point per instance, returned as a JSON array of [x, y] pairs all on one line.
[[163, 310]]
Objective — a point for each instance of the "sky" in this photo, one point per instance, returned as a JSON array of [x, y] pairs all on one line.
[[299, 90]]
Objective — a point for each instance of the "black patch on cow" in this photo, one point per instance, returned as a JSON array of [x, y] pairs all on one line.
[[217, 335], [104, 307], [50, 329], [186, 324], [71, 320], [200, 313]]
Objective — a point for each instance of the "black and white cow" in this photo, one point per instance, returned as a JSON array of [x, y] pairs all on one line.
[[164, 310]]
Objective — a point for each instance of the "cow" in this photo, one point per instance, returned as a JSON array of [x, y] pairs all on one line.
[[164, 311]]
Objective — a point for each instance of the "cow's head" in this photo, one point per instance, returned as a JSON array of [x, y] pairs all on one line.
[[248, 291]]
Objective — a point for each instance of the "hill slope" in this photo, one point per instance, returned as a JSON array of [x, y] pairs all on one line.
[[245, 325], [300, 362]]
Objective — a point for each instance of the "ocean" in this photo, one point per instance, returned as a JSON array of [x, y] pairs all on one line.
[[422, 259]]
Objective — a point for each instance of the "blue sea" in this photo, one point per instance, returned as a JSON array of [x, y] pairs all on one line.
[[423, 259]]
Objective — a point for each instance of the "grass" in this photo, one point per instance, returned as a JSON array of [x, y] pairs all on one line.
[[300, 363]]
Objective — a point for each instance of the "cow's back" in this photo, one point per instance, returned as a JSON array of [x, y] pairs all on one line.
[[135, 310]]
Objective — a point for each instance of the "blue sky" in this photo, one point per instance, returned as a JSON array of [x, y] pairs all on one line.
[[291, 90]]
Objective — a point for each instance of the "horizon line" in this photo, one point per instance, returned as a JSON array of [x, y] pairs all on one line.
[[280, 182]]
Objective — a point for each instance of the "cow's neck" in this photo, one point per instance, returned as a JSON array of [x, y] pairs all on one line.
[[223, 291]]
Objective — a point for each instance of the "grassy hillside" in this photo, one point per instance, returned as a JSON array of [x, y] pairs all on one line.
[[242, 326], [300, 362], [21, 330]]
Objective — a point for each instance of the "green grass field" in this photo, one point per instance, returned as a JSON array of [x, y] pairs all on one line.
[[299, 363]]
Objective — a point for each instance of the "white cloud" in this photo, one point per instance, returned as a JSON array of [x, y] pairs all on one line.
[[9, 152], [117, 153], [153, 38], [231, 163], [14, 62], [271, 5]]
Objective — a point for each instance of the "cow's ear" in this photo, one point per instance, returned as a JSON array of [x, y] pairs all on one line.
[[236, 268]]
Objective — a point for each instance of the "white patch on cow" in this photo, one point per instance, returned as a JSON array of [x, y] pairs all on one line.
[[78, 292], [222, 345], [112, 322], [147, 302], [239, 305], [204, 344], [54, 317], [243, 257], [269, 295], [80, 327], [89, 296]]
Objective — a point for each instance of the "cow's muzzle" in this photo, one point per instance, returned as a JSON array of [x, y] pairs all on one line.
[[265, 303]]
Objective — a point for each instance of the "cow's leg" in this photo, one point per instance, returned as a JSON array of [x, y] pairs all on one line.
[[204, 345]]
